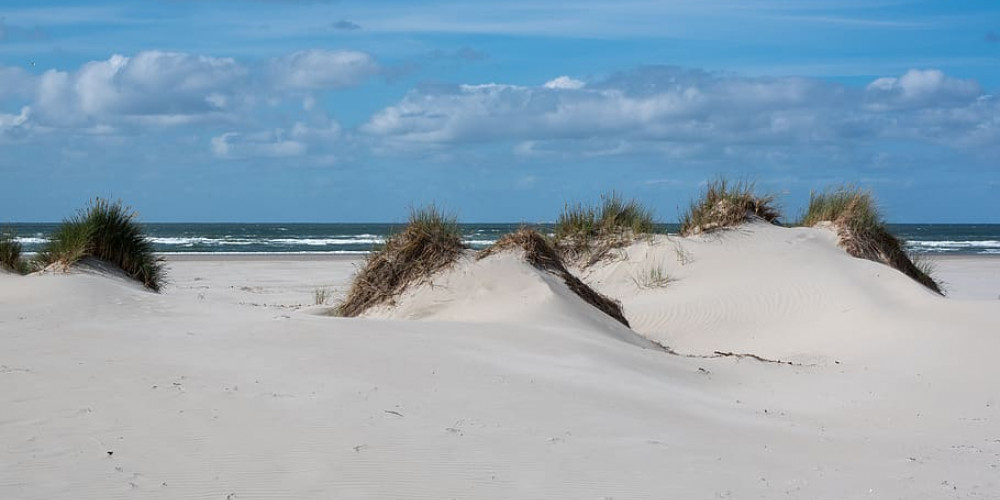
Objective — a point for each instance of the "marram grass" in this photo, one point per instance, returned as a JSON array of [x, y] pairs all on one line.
[[107, 231], [10, 253], [591, 231], [863, 233], [727, 204], [430, 242]]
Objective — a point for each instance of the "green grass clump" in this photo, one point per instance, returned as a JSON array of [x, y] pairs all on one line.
[[614, 217], [430, 242], [852, 206], [727, 204], [10, 253], [106, 231], [591, 231], [862, 231]]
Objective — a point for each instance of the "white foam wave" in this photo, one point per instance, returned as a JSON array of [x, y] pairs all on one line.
[[30, 240], [325, 241], [191, 241], [955, 244], [202, 241], [300, 252]]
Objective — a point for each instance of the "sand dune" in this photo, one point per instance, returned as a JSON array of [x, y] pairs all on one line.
[[503, 288], [783, 293], [226, 386]]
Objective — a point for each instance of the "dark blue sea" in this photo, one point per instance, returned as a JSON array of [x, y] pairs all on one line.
[[969, 239]]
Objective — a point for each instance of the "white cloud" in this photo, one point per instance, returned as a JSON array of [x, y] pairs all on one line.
[[323, 69], [564, 82], [127, 95], [921, 88], [665, 112], [237, 145], [10, 124], [151, 87], [155, 88], [654, 103], [300, 140], [654, 107]]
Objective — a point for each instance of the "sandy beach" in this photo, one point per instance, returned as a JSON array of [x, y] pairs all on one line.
[[769, 364]]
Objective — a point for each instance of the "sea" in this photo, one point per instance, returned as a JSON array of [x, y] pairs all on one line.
[[358, 239]]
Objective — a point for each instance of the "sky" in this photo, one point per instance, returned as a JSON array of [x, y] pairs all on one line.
[[357, 111]]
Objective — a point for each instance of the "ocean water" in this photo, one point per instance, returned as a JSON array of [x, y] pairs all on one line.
[[969, 239]]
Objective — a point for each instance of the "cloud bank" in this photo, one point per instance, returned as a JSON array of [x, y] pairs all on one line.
[[273, 109], [653, 106]]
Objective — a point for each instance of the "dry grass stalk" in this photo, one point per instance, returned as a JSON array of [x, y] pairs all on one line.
[[429, 243], [543, 256]]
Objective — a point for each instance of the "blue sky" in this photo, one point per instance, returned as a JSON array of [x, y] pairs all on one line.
[[298, 110]]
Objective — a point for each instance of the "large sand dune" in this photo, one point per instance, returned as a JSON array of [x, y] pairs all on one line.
[[226, 386], [784, 293]]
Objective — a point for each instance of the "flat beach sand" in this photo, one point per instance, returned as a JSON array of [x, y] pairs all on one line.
[[792, 371]]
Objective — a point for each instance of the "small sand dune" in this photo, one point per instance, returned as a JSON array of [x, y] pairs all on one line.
[[503, 288]]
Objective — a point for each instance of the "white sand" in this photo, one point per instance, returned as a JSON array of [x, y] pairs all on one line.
[[225, 386]]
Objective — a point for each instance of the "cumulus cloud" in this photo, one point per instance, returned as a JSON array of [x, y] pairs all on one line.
[[323, 69], [681, 106], [154, 87], [276, 143], [564, 82], [921, 88], [657, 106]]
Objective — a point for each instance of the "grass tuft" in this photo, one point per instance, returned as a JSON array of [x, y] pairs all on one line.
[[10, 253], [586, 231], [106, 231], [863, 233], [727, 204], [430, 242], [543, 256], [652, 277], [321, 295]]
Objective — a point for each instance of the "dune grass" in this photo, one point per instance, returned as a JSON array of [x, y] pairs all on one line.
[[321, 296], [862, 231], [591, 231], [728, 204], [653, 276], [107, 231], [543, 256], [430, 242], [10, 253]]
